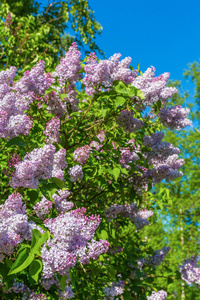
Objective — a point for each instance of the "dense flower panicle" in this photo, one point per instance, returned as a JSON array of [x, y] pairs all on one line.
[[129, 123], [59, 163], [42, 208], [154, 88], [76, 173], [55, 104], [127, 157], [140, 219], [7, 77], [103, 74], [175, 117], [35, 80], [81, 154], [115, 289], [72, 234], [40, 163], [61, 204], [19, 124], [51, 131], [159, 257], [164, 158], [189, 271], [160, 295], [14, 225], [69, 66]]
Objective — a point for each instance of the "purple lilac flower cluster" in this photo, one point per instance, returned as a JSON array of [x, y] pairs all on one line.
[[13, 120], [154, 88], [160, 295], [129, 211], [115, 289], [103, 74], [42, 208], [189, 271], [73, 239], [27, 293], [127, 156], [14, 225], [175, 117], [61, 204], [42, 163], [52, 131], [129, 123], [76, 173], [35, 80], [154, 260], [163, 157]]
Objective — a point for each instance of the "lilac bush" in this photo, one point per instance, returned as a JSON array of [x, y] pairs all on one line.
[[78, 163]]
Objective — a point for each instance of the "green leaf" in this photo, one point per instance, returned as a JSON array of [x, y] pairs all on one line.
[[63, 282], [35, 268], [17, 141], [58, 182], [116, 172], [140, 94], [36, 235], [24, 259], [120, 87], [119, 101]]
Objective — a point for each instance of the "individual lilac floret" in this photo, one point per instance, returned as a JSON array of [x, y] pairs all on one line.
[[60, 201], [81, 154], [160, 295], [140, 219], [75, 173], [42, 208], [69, 66], [154, 88], [115, 289], [175, 117], [73, 239], [52, 131], [129, 123], [189, 271], [34, 80]]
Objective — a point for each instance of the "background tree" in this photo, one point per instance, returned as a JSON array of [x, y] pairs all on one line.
[[30, 32]]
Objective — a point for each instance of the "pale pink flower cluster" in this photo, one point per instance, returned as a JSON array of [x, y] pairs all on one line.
[[61, 204], [76, 173], [81, 154]]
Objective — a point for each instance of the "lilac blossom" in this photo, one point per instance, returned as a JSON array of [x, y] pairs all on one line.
[[81, 154], [42, 208], [73, 239], [35, 80], [175, 117], [115, 289], [61, 204], [129, 123], [52, 131], [76, 173], [154, 88], [160, 295], [66, 294], [189, 271]]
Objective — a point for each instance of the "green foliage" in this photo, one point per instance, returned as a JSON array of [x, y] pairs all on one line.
[[37, 32]]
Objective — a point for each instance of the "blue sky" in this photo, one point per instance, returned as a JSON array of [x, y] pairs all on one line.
[[164, 34]]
